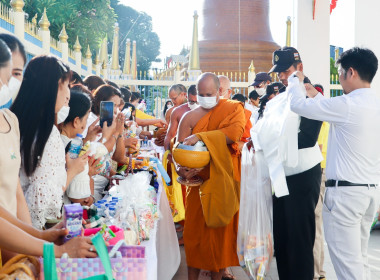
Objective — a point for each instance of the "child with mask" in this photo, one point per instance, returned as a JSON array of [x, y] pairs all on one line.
[[81, 188], [40, 106]]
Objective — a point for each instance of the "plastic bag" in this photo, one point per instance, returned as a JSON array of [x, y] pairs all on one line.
[[255, 242]]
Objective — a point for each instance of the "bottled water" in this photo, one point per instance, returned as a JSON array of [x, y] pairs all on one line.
[[112, 211], [76, 145]]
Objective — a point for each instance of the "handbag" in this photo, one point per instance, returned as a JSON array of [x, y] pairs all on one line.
[[21, 267], [102, 268]]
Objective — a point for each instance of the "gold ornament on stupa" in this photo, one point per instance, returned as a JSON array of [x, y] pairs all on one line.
[[17, 5], [88, 52], [63, 35], [44, 22], [77, 47]]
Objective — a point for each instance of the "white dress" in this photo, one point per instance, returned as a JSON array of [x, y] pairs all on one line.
[[44, 188], [79, 187]]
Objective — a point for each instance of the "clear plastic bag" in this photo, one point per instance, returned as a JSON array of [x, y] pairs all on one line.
[[255, 242]]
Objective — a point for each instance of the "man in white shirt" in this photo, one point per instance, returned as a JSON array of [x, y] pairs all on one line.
[[353, 159], [289, 145]]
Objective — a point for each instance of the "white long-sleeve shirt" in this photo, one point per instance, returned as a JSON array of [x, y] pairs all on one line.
[[353, 150]]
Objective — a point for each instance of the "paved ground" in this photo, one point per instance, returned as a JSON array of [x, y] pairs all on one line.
[[374, 260]]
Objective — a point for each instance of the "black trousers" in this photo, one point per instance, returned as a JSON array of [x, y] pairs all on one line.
[[294, 225]]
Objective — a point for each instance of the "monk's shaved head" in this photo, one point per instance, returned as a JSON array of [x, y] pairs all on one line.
[[207, 77], [224, 82]]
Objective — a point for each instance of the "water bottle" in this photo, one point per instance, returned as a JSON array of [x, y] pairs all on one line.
[[76, 145], [112, 211]]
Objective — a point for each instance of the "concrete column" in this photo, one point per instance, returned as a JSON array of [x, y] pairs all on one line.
[[97, 69], [78, 56], [45, 32], [366, 18], [19, 20], [65, 51], [78, 61], [64, 45], [312, 40], [89, 66], [45, 35], [177, 74], [251, 73]]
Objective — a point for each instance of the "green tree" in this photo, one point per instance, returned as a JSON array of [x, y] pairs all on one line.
[[137, 26], [333, 69]]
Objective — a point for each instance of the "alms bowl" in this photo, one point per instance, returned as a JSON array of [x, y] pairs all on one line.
[[191, 156]]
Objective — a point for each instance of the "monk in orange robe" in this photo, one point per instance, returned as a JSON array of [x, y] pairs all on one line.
[[210, 231]]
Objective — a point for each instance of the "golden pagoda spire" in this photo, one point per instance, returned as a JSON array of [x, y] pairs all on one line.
[[288, 32], [104, 51], [88, 52], [34, 19], [115, 48], [336, 53], [77, 47], [63, 35], [17, 5], [97, 60], [251, 67], [194, 52], [134, 61], [44, 22], [127, 59]]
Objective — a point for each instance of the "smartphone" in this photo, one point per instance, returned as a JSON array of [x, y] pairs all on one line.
[[106, 113]]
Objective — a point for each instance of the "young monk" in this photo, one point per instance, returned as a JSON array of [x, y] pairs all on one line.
[[211, 212]]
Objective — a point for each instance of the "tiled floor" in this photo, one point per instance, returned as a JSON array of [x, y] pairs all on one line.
[[374, 260]]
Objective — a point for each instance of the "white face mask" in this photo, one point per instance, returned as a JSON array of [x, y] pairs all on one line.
[[261, 91], [5, 95], [207, 102], [62, 114], [169, 106], [192, 106], [14, 87]]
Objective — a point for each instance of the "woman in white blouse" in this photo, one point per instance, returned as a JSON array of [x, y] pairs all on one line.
[[40, 106]]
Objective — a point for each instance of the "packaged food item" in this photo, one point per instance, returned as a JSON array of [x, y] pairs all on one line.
[[107, 233], [85, 148], [73, 220]]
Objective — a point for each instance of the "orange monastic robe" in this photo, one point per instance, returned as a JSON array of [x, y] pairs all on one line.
[[248, 126], [215, 248]]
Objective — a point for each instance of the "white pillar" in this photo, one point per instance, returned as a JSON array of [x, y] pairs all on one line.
[[312, 40], [45, 36], [366, 19], [89, 66], [19, 20], [78, 61], [45, 32], [97, 69], [251, 73], [177, 74], [65, 51]]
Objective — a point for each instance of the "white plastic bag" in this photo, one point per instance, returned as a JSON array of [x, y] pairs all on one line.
[[255, 242]]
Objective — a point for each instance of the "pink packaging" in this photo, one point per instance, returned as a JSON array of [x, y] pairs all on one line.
[[116, 230]]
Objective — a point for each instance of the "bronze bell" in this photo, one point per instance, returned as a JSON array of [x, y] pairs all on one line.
[[227, 46]]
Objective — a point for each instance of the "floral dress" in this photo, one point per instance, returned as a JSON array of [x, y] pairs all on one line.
[[44, 188]]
